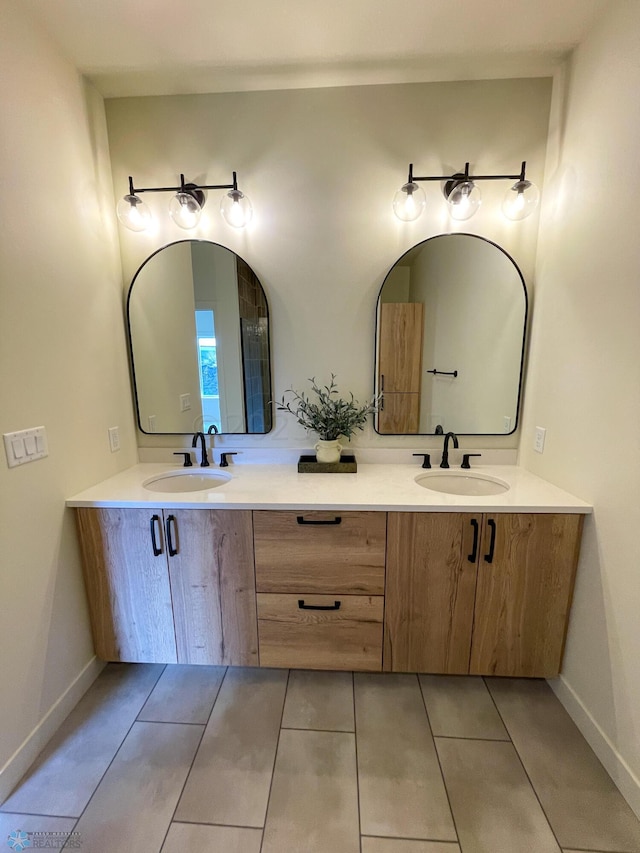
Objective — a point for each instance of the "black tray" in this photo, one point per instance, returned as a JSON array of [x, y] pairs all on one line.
[[309, 465]]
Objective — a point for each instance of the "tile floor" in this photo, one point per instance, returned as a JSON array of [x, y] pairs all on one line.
[[170, 759]]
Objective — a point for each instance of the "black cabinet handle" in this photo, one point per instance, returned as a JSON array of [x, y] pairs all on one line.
[[488, 558], [303, 520], [474, 550], [155, 519], [173, 549], [303, 606]]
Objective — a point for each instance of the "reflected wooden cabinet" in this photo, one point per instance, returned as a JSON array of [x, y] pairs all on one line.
[[399, 366], [172, 586], [486, 594]]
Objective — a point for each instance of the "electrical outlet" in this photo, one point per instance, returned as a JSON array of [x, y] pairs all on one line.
[[538, 441], [114, 438], [185, 402], [507, 423]]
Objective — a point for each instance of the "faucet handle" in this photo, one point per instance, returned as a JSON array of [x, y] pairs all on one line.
[[466, 457], [224, 458], [187, 458], [427, 459]]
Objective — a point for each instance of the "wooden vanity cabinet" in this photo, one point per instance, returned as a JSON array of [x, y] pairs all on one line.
[[170, 586], [486, 594], [320, 585]]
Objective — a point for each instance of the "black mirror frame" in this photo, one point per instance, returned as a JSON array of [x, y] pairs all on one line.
[[524, 332], [130, 343]]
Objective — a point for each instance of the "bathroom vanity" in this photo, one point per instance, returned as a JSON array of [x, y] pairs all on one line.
[[367, 571]]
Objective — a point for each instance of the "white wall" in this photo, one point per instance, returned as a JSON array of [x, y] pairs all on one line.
[[62, 364], [584, 378], [321, 168]]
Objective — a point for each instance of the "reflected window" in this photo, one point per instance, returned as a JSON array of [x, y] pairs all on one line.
[[208, 369]]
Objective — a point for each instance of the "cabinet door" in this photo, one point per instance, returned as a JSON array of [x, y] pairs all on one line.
[[399, 414], [400, 355], [525, 582], [430, 588], [213, 587], [127, 584]]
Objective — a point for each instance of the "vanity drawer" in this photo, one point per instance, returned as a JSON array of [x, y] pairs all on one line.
[[320, 552], [320, 631]]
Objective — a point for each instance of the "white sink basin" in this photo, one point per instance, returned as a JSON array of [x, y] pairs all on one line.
[[462, 483], [199, 480]]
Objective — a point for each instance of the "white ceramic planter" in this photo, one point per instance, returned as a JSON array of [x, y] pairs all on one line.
[[328, 451]]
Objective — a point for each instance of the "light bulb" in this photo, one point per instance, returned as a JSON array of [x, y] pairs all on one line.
[[520, 200], [185, 210], [133, 213], [409, 202], [236, 209], [464, 200]]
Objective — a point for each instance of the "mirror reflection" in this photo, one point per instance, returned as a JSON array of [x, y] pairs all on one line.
[[199, 335], [451, 324]]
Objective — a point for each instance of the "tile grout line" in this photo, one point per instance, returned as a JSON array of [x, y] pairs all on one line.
[[435, 748], [186, 778], [275, 758], [468, 737], [355, 744], [429, 840], [524, 769], [309, 729], [113, 757]]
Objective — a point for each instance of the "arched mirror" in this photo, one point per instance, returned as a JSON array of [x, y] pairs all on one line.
[[451, 324], [198, 325]]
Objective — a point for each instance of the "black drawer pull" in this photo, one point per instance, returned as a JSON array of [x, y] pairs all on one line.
[[155, 520], [303, 606], [488, 558], [173, 549], [474, 550], [303, 520]]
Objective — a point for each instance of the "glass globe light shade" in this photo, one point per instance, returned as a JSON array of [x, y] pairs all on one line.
[[464, 200], [409, 202], [236, 209], [185, 210], [133, 213], [520, 200]]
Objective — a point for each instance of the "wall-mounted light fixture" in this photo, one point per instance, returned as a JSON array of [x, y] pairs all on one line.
[[186, 205], [463, 195]]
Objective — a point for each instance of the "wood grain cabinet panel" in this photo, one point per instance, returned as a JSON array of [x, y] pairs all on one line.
[[430, 592], [213, 588], [344, 637], [170, 586], [486, 594], [524, 594], [320, 552], [127, 584]]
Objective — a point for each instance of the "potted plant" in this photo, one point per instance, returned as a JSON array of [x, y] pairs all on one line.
[[328, 415]]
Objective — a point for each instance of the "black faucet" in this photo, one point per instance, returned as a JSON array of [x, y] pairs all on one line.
[[205, 459], [445, 452]]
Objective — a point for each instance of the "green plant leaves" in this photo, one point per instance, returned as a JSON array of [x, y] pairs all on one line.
[[329, 415]]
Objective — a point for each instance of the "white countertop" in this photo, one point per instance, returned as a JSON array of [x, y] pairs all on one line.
[[374, 487]]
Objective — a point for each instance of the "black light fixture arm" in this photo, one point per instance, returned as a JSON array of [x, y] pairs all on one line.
[[459, 176], [183, 187]]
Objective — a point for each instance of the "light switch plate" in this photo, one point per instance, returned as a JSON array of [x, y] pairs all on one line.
[[507, 423], [26, 445], [538, 441], [185, 402]]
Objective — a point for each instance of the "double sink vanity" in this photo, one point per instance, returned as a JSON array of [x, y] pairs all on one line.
[[393, 568]]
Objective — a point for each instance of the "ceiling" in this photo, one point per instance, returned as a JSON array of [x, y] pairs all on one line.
[[153, 47]]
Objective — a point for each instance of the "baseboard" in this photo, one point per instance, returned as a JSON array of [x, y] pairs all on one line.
[[34, 743], [615, 765]]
